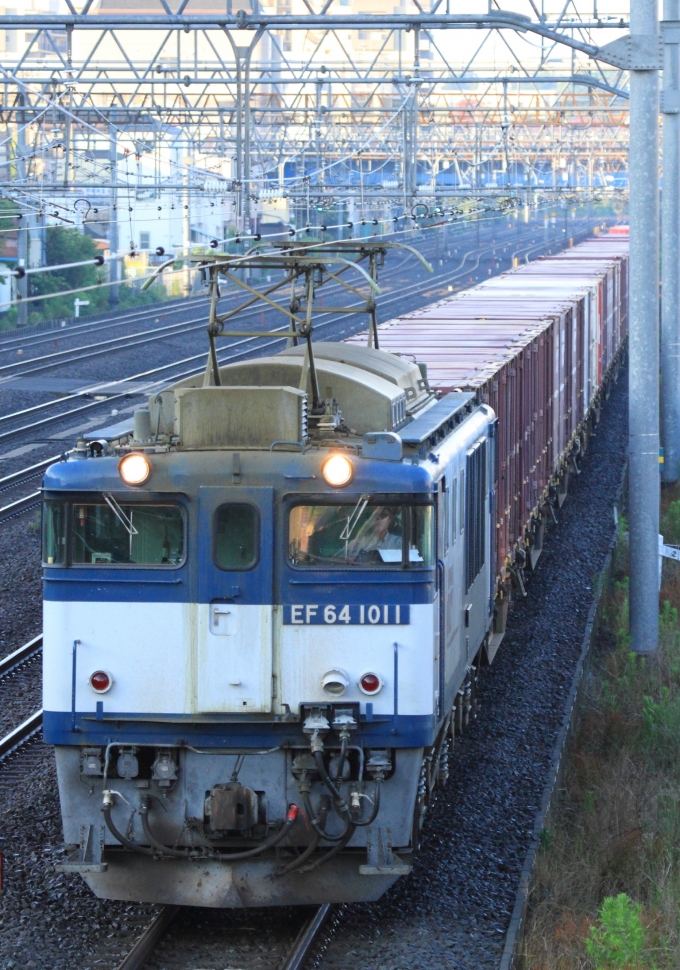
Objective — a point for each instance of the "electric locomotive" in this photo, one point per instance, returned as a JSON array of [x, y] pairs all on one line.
[[262, 621]]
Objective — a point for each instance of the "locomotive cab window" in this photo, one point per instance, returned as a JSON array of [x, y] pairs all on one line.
[[54, 533], [106, 533], [110, 533], [361, 535], [236, 536]]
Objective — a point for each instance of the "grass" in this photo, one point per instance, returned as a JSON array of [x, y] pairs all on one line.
[[606, 889]]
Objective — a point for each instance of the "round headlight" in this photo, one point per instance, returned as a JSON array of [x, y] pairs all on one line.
[[335, 682], [134, 469], [337, 470]]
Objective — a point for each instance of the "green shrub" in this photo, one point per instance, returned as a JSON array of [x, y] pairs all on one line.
[[617, 942]]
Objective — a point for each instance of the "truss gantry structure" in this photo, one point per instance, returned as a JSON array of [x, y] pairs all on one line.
[[319, 101]]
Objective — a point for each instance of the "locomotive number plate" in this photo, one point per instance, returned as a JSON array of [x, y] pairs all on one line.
[[356, 614]]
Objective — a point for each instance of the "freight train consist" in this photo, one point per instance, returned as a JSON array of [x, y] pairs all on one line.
[[268, 596]]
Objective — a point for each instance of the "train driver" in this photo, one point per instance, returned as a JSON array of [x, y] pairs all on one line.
[[376, 534]]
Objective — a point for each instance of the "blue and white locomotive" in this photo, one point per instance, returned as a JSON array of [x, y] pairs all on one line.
[[262, 625]]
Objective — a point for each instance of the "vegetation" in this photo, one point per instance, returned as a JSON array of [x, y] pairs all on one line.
[[67, 246], [606, 891], [70, 245]]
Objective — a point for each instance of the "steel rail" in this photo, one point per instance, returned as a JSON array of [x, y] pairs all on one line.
[[24, 653], [25, 368], [74, 354], [107, 322], [20, 734], [26, 474], [147, 312], [15, 432], [103, 347], [30, 335], [299, 952], [154, 932], [149, 939], [21, 505]]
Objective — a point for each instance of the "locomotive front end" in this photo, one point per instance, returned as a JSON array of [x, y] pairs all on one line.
[[259, 623]]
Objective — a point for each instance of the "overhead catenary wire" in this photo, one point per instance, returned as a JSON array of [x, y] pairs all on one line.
[[181, 254]]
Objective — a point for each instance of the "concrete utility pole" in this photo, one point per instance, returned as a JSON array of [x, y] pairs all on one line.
[[643, 455], [670, 248]]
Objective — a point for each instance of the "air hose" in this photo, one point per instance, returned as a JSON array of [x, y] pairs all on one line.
[[158, 848], [128, 843], [331, 852]]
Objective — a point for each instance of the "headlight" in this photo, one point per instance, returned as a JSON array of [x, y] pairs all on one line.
[[134, 469], [337, 470], [335, 681]]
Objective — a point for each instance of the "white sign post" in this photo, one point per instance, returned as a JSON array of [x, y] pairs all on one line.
[[77, 303]]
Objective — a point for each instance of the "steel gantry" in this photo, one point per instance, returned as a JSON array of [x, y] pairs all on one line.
[[287, 99]]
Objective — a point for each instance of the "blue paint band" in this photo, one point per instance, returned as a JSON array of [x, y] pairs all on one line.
[[412, 731]]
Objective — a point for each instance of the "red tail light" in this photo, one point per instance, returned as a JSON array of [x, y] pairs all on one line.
[[101, 681], [370, 683]]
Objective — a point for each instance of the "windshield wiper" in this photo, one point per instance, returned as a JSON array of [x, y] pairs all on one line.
[[346, 533], [120, 515]]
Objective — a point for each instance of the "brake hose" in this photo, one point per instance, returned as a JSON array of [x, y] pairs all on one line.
[[267, 843], [338, 800], [128, 843], [302, 858], [186, 853], [341, 760], [307, 802], [331, 852]]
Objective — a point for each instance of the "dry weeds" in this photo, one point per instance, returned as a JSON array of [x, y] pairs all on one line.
[[616, 828]]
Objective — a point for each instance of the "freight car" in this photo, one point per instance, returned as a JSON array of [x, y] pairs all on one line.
[[263, 620], [539, 344]]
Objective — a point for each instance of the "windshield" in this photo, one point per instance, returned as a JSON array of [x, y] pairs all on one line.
[[107, 532], [140, 534], [362, 534]]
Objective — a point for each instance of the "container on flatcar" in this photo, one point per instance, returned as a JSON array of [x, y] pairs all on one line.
[[538, 344]]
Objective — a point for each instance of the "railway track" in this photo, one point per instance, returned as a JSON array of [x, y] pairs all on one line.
[[294, 959], [439, 280], [116, 320], [14, 660], [32, 724], [18, 479], [37, 365], [20, 734]]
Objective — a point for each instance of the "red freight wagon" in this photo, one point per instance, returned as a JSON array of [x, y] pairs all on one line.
[[537, 344]]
